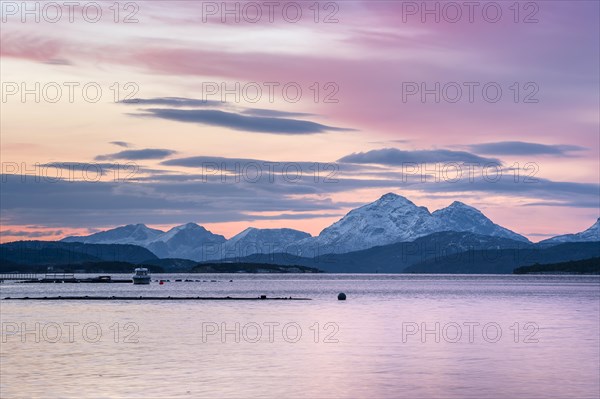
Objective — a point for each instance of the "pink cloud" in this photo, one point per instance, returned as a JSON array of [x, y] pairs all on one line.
[[30, 47]]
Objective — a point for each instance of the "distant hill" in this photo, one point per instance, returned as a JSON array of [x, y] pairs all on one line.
[[251, 268], [393, 258], [441, 252], [504, 261], [585, 266], [48, 253], [170, 265], [445, 252]]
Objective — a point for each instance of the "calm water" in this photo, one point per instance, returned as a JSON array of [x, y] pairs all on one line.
[[486, 337]]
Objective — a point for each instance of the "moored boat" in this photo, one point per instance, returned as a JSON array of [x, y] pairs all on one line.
[[141, 276]]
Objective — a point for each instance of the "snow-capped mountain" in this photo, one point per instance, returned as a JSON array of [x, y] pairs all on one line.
[[393, 218], [188, 241], [137, 234], [462, 217], [591, 234], [390, 219], [267, 241]]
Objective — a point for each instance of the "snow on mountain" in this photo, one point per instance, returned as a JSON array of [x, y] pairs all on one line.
[[462, 217], [591, 234], [265, 241], [189, 241], [390, 219], [137, 234], [394, 218]]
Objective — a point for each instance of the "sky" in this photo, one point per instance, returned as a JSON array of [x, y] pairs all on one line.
[[290, 114]]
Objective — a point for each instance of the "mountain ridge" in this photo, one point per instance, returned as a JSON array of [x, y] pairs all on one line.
[[389, 219], [590, 234], [394, 218]]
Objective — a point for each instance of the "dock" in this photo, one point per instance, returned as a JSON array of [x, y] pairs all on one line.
[[74, 280], [70, 278], [33, 278], [18, 276]]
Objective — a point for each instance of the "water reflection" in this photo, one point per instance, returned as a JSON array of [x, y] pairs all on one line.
[[379, 353]]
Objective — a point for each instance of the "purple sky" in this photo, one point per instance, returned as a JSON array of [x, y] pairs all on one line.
[[359, 99]]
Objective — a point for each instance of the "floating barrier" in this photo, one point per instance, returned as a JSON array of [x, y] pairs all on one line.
[[154, 298]]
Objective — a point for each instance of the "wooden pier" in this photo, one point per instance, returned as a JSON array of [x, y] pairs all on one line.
[[18, 276], [74, 280]]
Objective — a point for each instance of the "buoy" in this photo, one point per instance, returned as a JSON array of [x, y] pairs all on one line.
[[341, 296]]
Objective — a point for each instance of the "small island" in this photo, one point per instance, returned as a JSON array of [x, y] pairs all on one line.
[[234, 267], [585, 266]]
